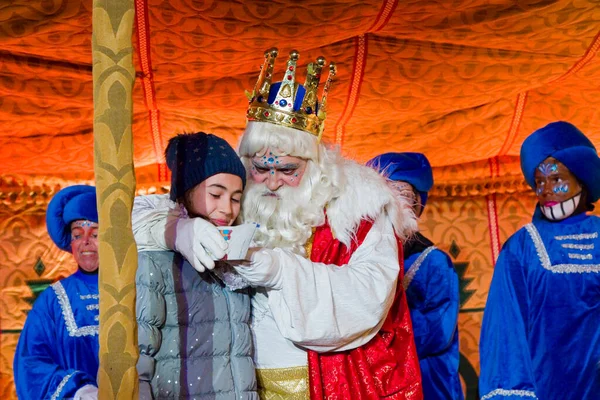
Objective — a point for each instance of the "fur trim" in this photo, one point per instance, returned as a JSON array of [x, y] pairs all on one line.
[[365, 195]]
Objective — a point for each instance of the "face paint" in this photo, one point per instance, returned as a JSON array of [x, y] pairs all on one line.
[[560, 211], [557, 189], [546, 169], [561, 188], [270, 161], [276, 171]]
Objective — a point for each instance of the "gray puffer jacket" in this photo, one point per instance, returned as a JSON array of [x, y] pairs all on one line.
[[194, 334]]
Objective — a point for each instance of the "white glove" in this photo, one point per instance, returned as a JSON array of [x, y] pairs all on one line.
[[87, 392], [264, 268], [200, 242]]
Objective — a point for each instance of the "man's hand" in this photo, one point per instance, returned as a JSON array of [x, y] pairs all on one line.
[[87, 392], [261, 268], [200, 242]]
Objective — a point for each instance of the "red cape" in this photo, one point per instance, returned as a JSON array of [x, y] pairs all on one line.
[[385, 367]]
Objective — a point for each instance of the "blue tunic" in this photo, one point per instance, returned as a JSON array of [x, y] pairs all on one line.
[[58, 349], [540, 337], [432, 292]]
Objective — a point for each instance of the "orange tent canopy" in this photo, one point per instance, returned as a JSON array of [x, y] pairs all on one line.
[[462, 81]]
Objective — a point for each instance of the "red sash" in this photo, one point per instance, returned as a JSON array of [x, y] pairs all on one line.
[[387, 366]]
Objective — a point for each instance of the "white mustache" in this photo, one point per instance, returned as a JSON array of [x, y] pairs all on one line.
[[268, 193]]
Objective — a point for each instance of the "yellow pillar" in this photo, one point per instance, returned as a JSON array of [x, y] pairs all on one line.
[[113, 73]]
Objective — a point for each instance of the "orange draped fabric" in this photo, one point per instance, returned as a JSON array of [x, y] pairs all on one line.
[[463, 81], [471, 76]]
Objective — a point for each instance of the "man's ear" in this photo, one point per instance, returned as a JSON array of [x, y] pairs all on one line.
[[418, 208], [584, 202]]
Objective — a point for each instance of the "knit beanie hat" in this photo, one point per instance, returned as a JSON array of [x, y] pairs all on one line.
[[195, 157]]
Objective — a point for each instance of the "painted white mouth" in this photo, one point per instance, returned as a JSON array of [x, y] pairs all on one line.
[[88, 253], [563, 209]]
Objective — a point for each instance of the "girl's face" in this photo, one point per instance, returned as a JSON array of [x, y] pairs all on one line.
[[216, 199], [84, 244]]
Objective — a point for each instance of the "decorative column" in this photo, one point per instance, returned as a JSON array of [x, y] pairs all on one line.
[[113, 73]]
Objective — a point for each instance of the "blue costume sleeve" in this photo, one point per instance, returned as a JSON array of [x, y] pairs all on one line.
[[38, 375], [435, 323], [150, 311], [506, 368]]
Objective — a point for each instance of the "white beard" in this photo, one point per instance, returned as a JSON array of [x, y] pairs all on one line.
[[562, 210], [286, 221], [351, 192]]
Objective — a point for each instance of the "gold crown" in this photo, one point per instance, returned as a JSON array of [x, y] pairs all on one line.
[[289, 103]]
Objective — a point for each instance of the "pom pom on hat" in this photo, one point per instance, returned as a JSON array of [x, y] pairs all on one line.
[[413, 168], [195, 157], [568, 145], [70, 204]]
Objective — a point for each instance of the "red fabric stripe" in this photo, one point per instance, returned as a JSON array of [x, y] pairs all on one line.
[[358, 70], [144, 51], [587, 57], [514, 124], [492, 206], [387, 9]]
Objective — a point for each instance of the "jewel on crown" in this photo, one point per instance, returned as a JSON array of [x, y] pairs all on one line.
[[289, 103]]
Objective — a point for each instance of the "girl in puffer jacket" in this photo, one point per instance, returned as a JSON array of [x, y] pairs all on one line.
[[193, 330]]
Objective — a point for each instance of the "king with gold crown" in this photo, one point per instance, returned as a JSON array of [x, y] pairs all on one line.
[[329, 314]]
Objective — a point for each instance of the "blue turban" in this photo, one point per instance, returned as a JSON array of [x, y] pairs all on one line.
[[192, 158], [70, 204], [413, 168], [568, 145]]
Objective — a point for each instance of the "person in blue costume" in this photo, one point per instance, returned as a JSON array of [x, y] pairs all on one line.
[[57, 353], [430, 281], [540, 337]]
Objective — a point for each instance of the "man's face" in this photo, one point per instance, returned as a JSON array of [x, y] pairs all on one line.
[[84, 244], [407, 191], [554, 183], [217, 199], [276, 171]]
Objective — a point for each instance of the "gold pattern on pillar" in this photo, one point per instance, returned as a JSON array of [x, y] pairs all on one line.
[[113, 72]]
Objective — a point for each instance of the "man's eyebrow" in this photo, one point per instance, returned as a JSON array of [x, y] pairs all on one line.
[[287, 166], [275, 166]]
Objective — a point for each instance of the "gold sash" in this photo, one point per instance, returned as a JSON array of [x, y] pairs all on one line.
[[283, 383]]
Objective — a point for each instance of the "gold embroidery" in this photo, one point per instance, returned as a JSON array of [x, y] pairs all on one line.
[[283, 383], [309, 244]]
